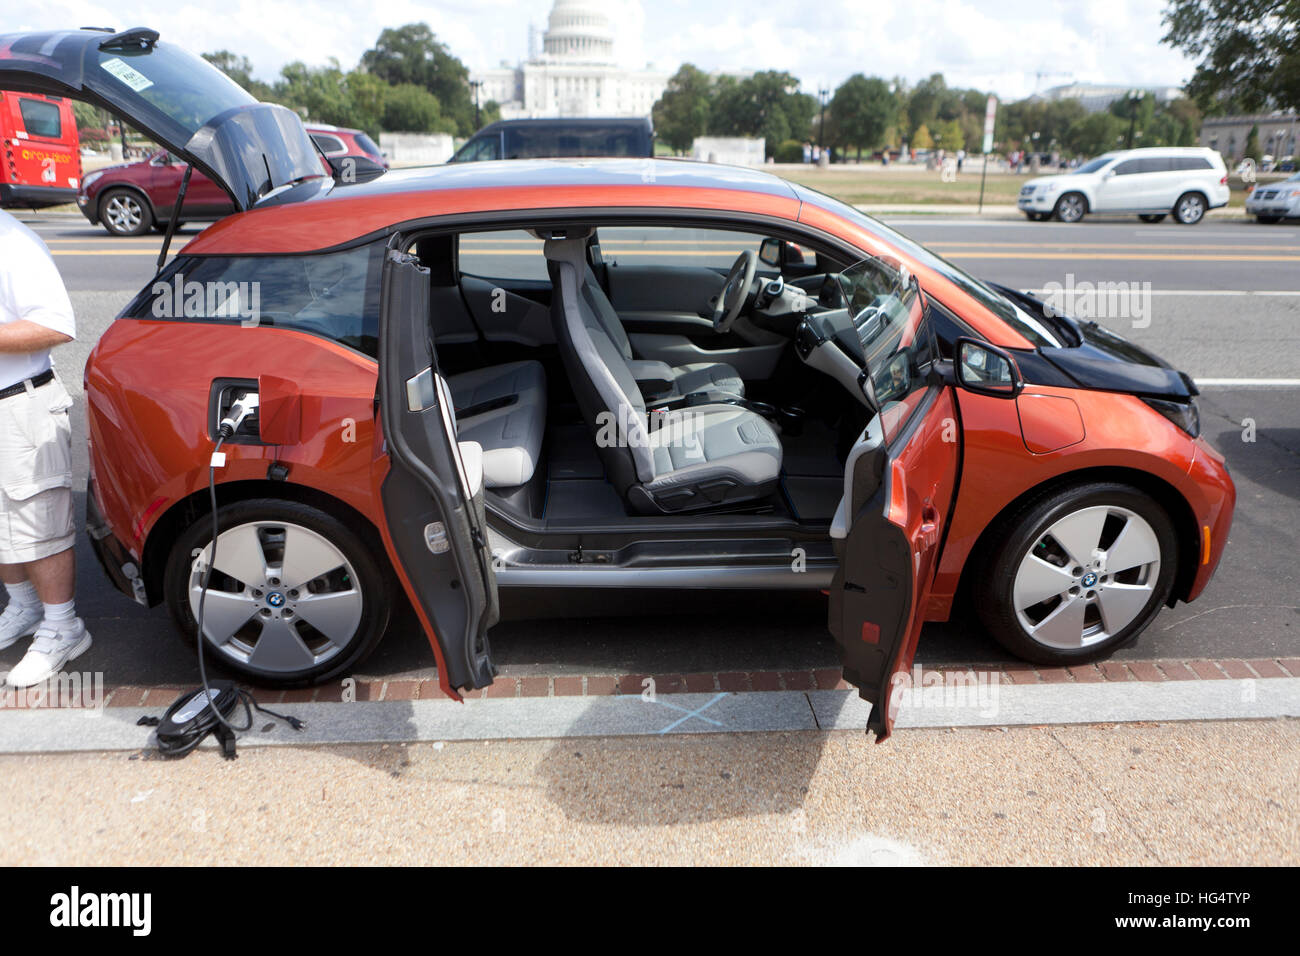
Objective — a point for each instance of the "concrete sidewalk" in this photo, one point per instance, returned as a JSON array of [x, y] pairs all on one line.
[[1210, 792]]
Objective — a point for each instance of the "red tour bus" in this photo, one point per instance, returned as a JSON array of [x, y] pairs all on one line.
[[42, 154]]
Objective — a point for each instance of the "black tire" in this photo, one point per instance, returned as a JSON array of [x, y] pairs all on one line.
[[993, 586], [1071, 207], [1153, 217], [1268, 220], [372, 581], [124, 212], [1038, 216], [161, 226], [1190, 208]]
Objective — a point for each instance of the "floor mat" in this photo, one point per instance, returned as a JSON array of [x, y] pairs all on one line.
[[811, 452], [571, 453], [813, 498], [588, 499]]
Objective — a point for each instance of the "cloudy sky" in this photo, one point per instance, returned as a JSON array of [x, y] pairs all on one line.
[[998, 45]]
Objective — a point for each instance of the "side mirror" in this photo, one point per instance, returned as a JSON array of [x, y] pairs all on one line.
[[769, 252], [986, 369], [354, 169], [776, 253]]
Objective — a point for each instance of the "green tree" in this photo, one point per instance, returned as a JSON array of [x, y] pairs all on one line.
[[1248, 52], [413, 54], [861, 111], [413, 109], [682, 113], [767, 104], [921, 139], [240, 69], [1095, 133], [1252, 143]]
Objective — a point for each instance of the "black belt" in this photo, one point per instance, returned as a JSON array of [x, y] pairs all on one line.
[[36, 381]]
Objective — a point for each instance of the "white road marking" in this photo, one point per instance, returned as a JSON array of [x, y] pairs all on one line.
[[1199, 292], [1247, 382]]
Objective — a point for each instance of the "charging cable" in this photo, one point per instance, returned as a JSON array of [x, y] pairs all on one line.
[[185, 725]]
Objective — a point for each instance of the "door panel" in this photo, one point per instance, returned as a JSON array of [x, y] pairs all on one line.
[[900, 480], [642, 290], [433, 521], [898, 504]]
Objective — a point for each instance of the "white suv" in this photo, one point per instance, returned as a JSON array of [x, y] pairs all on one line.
[[1152, 183]]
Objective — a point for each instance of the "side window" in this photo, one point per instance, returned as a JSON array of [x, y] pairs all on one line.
[[334, 295], [1128, 167], [487, 148], [1156, 164], [1191, 163], [504, 256], [676, 246], [40, 118], [329, 145]]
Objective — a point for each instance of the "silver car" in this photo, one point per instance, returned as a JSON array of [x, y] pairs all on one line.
[[1275, 201]]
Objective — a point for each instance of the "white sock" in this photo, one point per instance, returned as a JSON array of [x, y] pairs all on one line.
[[22, 595], [64, 613]]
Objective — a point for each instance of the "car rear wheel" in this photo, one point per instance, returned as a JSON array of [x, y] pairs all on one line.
[[1075, 573], [1268, 220], [1190, 208], [296, 596], [1153, 217], [1071, 207], [124, 213]]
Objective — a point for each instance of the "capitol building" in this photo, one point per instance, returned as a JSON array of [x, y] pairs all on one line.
[[573, 74]]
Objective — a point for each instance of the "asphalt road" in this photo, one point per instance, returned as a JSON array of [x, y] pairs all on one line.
[[1223, 304]]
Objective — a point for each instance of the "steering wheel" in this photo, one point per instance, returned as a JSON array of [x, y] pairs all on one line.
[[736, 290]]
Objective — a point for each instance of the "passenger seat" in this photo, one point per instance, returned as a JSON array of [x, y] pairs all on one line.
[[503, 408]]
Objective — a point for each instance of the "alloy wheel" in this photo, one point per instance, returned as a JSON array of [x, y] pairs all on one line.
[[1190, 209], [1086, 577], [123, 213], [1070, 208], [282, 597]]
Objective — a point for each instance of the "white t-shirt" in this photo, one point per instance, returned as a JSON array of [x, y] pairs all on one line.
[[30, 289]]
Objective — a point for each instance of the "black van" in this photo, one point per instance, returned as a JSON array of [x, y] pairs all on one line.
[[541, 138]]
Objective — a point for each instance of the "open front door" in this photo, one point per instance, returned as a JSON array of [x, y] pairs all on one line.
[[433, 519], [899, 483]]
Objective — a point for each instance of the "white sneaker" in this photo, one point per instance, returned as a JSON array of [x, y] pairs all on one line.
[[49, 652], [18, 622]]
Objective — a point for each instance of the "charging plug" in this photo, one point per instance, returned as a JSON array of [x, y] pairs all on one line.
[[245, 405]]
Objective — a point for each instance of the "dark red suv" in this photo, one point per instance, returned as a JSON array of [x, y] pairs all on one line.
[[130, 198]]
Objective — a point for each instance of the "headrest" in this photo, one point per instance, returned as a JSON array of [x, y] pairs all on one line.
[[562, 232], [568, 250]]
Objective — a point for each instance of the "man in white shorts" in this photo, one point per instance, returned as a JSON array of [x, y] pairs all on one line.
[[36, 523]]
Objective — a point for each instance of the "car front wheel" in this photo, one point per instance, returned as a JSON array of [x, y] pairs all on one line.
[[1190, 208], [1268, 220], [1071, 207], [1075, 573], [124, 213], [296, 596]]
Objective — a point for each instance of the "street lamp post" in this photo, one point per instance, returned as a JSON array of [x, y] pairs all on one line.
[[1134, 98], [823, 94], [476, 85]]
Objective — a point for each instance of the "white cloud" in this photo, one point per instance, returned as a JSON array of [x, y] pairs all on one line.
[[982, 44]]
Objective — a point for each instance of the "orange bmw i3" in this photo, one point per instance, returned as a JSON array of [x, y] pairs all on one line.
[[633, 374]]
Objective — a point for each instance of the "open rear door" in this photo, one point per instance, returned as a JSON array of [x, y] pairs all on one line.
[[433, 520], [899, 483]]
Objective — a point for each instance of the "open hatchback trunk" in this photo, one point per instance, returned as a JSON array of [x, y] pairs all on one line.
[[251, 149]]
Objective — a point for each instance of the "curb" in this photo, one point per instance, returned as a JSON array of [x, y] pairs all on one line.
[[733, 682]]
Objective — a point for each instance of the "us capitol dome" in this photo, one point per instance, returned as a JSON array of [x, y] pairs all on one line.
[[572, 72]]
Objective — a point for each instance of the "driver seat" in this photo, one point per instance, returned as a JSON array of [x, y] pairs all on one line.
[[714, 377], [697, 458]]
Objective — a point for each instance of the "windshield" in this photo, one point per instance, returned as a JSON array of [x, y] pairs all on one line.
[[1031, 328], [1092, 165], [368, 145]]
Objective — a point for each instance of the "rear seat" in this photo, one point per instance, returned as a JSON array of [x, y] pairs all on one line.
[[503, 408]]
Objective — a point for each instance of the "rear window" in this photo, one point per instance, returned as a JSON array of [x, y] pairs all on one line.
[[41, 118], [537, 142], [329, 145], [334, 295], [505, 255]]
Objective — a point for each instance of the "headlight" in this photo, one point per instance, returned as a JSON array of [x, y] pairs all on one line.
[[89, 178], [1183, 414]]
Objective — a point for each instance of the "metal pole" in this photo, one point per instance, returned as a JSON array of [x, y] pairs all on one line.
[[983, 173]]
